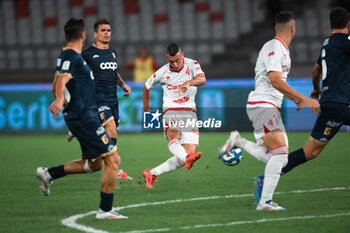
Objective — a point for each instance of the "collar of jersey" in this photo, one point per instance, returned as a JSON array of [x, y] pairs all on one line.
[[277, 38], [179, 69]]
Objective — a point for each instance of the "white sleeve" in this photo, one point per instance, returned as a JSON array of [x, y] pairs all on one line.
[[155, 78], [273, 59], [195, 68]]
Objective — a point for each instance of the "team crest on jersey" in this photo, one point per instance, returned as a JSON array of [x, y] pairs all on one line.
[[105, 139], [102, 115], [327, 131], [113, 54]]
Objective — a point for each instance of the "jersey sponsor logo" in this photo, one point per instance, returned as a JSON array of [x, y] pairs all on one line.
[[108, 66], [271, 54], [333, 124], [103, 108], [285, 68], [105, 139], [95, 56], [102, 115], [182, 100], [100, 130], [327, 131], [171, 87], [65, 65]]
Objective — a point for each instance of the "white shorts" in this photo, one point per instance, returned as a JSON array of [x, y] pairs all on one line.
[[189, 133], [265, 119]]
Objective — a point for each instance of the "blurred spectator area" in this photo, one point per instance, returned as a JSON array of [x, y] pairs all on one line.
[[223, 35]]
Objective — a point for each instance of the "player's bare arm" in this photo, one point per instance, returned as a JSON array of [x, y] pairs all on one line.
[[290, 93], [56, 106], [316, 78], [123, 85], [146, 97], [54, 83], [199, 80]]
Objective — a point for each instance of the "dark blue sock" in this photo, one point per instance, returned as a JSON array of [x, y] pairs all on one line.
[[106, 201], [57, 172], [294, 159]]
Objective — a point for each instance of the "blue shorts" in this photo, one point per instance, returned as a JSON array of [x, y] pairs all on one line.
[[107, 110], [333, 116], [93, 139]]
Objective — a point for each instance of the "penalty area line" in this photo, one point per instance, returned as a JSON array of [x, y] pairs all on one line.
[[71, 221]]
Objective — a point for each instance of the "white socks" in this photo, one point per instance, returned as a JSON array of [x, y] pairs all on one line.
[[178, 160], [168, 166], [273, 169], [177, 149], [258, 151]]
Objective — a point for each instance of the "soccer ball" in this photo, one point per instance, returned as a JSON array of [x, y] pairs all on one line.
[[232, 157]]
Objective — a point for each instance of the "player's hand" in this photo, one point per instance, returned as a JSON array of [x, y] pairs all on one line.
[[313, 104], [56, 107], [315, 94], [183, 88], [127, 90]]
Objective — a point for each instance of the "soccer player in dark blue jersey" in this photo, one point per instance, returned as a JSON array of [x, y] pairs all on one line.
[[75, 89], [103, 61], [333, 67]]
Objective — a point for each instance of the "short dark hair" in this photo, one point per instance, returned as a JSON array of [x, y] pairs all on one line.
[[73, 29], [173, 49], [339, 17], [284, 17], [99, 22]]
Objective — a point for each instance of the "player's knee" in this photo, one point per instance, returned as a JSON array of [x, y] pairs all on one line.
[[113, 161], [180, 162], [90, 166], [172, 134]]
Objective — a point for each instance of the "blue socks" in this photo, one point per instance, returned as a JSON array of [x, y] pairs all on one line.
[[106, 201], [294, 159], [57, 172]]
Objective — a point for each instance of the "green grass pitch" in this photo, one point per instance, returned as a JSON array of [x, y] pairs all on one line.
[[23, 208]]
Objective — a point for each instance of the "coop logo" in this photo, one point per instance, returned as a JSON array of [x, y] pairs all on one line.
[[151, 120], [108, 66]]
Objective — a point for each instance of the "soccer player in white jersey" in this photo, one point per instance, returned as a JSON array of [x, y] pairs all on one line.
[[263, 108], [179, 79]]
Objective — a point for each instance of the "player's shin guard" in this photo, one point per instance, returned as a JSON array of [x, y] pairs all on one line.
[[177, 149], [106, 201], [294, 159], [257, 151], [168, 166], [273, 172], [57, 172]]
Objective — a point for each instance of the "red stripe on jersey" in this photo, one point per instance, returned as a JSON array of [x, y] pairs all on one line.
[[262, 102], [180, 109], [276, 38]]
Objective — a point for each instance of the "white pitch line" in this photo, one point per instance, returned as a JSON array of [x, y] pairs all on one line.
[[263, 220], [71, 221]]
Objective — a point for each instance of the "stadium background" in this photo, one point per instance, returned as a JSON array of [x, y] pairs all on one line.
[[223, 35]]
